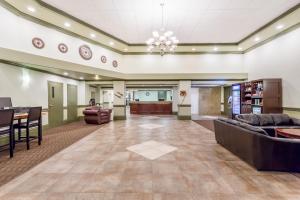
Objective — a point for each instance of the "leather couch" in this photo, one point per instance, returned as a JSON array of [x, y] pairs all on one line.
[[256, 147], [97, 115], [269, 122]]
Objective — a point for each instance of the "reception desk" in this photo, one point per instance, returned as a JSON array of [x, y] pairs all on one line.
[[151, 107]]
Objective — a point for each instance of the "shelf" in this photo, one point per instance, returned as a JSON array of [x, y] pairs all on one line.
[[256, 97], [257, 105]]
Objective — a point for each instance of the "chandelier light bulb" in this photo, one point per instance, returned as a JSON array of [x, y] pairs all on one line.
[[155, 34]]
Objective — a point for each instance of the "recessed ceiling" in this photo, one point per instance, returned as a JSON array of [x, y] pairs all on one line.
[[193, 21]]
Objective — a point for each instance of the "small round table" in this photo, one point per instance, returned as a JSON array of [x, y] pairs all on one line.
[[288, 132]]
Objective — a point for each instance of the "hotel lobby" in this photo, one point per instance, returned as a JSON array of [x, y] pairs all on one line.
[[149, 100]]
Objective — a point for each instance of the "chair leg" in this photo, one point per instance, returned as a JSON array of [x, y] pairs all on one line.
[[27, 138], [13, 138], [19, 130], [11, 147]]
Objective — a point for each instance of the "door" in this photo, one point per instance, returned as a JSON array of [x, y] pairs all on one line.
[[210, 101], [72, 102], [55, 104]]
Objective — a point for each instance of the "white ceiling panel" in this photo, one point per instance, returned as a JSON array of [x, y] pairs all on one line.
[[192, 21]]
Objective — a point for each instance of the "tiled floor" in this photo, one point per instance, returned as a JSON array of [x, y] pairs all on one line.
[[99, 167]]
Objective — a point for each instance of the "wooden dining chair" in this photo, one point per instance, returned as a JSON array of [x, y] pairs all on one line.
[[34, 120], [6, 127]]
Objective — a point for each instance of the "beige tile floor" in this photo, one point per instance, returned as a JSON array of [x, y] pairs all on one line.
[[99, 167]]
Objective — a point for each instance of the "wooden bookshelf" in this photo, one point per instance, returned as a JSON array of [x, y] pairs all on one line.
[[261, 96]]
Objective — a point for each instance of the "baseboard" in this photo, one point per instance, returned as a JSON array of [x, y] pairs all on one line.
[[119, 117], [184, 117], [174, 113]]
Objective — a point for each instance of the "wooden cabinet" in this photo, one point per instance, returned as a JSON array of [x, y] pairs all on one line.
[[261, 96]]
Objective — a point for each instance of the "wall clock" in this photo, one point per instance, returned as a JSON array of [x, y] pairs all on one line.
[[85, 52], [38, 43], [103, 59], [63, 48], [115, 63]]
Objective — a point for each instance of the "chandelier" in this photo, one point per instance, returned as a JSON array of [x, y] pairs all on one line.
[[162, 40]]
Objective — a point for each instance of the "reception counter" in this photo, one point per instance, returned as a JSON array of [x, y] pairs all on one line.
[[151, 107]]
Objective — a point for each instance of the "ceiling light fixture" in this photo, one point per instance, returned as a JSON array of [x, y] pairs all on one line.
[[193, 49], [111, 43], [216, 49], [97, 77], [31, 9], [66, 73], [67, 24], [163, 40], [81, 78], [93, 35], [240, 48], [256, 39], [280, 26], [125, 49]]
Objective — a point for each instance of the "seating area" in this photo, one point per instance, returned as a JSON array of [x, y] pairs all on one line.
[[149, 100], [12, 120], [253, 138]]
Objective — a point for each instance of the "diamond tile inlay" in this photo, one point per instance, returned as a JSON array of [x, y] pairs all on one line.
[[151, 149], [150, 126]]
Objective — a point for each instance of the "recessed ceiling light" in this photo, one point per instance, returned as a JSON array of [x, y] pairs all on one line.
[[125, 49], [31, 9], [216, 49], [240, 48], [256, 39], [97, 77], [81, 78], [280, 26], [67, 24], [66, 73], [111, 43], [193, 49], [93, 35]]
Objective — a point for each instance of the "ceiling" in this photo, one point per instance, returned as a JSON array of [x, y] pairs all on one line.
[[192, 21]]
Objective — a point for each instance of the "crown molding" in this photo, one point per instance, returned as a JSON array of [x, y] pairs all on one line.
[[210, 46]]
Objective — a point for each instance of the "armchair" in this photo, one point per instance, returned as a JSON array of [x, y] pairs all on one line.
[[96, 115]]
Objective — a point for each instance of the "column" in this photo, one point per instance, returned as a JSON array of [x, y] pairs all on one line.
[[184, 100], [119, 100]]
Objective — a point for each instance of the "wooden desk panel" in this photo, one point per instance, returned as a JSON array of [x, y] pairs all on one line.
[[161, 108]]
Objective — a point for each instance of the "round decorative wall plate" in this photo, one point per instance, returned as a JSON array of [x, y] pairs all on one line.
[[38, 43], [103, 59], [85, 52], [115, 63], [63, 48]]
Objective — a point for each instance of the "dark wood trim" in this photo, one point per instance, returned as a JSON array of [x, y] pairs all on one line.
[[184, 105], [119, 117], [291, 109], [119, 106], [184, 117]]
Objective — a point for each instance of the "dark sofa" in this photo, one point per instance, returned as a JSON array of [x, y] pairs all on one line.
[[269, 122], [256, 147]]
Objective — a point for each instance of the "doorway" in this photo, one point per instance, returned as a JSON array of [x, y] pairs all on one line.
[[55, 104], [72, 102]]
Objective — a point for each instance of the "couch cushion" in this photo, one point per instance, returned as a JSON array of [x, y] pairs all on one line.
[[253, 128], [281, 119], [249, 119], [266, 120]]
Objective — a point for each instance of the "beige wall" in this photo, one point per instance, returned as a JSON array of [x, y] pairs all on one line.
[[210, 101]]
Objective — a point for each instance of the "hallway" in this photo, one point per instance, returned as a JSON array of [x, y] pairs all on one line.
[[103, 166]]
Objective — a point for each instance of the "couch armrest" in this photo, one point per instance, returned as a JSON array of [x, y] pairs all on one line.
[[295, 121]]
